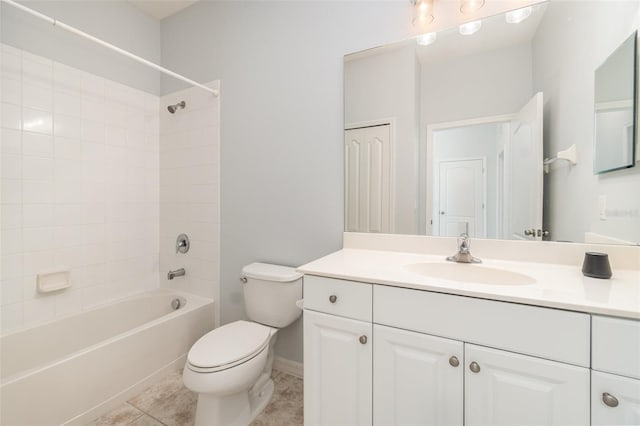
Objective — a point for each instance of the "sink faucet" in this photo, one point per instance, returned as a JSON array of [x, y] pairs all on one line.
[[464, 254]]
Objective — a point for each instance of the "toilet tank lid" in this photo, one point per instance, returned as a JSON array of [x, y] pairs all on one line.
[[266, 271]]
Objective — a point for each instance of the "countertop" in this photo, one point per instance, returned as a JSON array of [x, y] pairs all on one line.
[[555, 286]]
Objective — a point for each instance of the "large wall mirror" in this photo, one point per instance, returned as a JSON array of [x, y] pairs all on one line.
[[493, 133]]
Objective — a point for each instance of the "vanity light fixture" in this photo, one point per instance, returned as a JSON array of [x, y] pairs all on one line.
[[518, 15], [426, 39], [470, 27], [422, 12], [470, 6]]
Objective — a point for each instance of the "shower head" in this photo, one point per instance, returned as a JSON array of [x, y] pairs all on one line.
[[173, 108]]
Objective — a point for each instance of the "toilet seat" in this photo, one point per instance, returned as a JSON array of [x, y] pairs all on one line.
[[228, 346]]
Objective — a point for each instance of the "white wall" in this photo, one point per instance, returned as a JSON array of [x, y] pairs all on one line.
[[79, 188], [280, 64], [565, 58], [189, 190], [117, 22], [385, 86]]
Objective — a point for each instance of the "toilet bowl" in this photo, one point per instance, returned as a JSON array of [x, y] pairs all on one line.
[[230, 367]]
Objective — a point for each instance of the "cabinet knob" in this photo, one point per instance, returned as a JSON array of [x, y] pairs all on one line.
[[363, 339], [453, 361], [475, 367], [333, 298], [609, 400]]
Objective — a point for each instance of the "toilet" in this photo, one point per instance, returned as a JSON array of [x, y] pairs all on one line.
[[230, 367]]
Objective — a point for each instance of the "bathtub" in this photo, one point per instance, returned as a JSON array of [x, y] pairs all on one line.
[[74, 369]]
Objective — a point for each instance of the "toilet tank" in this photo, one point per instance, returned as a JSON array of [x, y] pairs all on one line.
[[270, 294]]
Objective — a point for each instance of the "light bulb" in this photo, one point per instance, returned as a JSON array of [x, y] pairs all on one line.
[[517, 16], [423, 12], [470, 27], [470, 6], [426, 39]]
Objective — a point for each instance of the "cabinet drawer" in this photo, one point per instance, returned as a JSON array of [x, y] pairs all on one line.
[[616, 346], [338, 297], [547, 333], [614, 400]]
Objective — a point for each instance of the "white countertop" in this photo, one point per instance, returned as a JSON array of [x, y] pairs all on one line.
[[556, 286]]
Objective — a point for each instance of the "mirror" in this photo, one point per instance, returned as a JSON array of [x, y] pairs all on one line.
[[615, 86], [490, 133]]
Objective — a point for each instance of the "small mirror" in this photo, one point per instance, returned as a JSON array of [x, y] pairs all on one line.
[[615, 86]]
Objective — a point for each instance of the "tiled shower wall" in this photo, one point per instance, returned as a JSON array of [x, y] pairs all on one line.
[[80, 188], [189, 192]]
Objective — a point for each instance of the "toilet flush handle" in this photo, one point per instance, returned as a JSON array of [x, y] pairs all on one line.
[[243, 279]]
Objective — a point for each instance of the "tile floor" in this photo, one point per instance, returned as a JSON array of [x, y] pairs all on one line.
[[169, 403]]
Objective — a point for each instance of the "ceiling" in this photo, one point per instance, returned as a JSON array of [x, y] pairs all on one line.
[[160, 9]]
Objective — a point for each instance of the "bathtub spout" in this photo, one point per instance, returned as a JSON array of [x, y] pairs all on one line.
[[177, 273]]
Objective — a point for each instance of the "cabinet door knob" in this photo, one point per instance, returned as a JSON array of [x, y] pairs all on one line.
[[363, 339], [609, 399], [453, 361], [475, 367], [333, 298]]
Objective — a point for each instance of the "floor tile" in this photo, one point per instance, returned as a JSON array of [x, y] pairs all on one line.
[[123, 415]]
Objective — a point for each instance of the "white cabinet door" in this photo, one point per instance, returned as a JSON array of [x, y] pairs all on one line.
[[503, 388], [337, 370], [615, 400], [414, 381]]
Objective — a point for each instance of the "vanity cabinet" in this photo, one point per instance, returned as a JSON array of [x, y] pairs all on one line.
[[419, 357]]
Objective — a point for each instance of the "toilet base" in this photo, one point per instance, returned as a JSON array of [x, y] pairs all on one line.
[[238, 409]]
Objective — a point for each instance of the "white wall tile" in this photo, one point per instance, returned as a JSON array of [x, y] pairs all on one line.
[[11, 291], [11, 141], [68, 103], [11, 266], [67, 126], [10, 116], [11, 166], [36, 70], [75, 190], [11, 191], [37, 168], [65, 148], [34, 120], [37, 239], [37, 97], [11, 216], [36, 215], [10, 90], [11, 317], [11, 240], [38, 310], [37, 192], [37, 144]]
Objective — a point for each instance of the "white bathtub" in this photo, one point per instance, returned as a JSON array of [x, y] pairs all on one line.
[[72, 370]]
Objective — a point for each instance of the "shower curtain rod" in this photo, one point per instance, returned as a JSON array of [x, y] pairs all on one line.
[[76, 31]]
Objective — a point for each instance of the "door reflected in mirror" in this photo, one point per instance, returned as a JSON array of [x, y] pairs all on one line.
[[453, 156]]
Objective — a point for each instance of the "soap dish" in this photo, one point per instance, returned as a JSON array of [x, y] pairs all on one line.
[[50, 281]]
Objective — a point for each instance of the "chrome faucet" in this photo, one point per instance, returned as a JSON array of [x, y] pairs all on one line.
[[177, 273], [464, 254]]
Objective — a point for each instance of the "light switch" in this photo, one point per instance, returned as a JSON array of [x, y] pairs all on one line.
[[602, 204]]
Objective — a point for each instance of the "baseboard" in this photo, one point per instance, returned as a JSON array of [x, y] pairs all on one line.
[[287, 366]]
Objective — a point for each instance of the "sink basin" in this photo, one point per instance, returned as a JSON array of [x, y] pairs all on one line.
[[469, 273]]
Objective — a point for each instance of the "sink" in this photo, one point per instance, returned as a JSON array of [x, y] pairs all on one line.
[[469, 273]]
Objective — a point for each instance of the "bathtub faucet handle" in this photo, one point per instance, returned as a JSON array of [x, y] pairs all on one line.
[[182, 243]]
